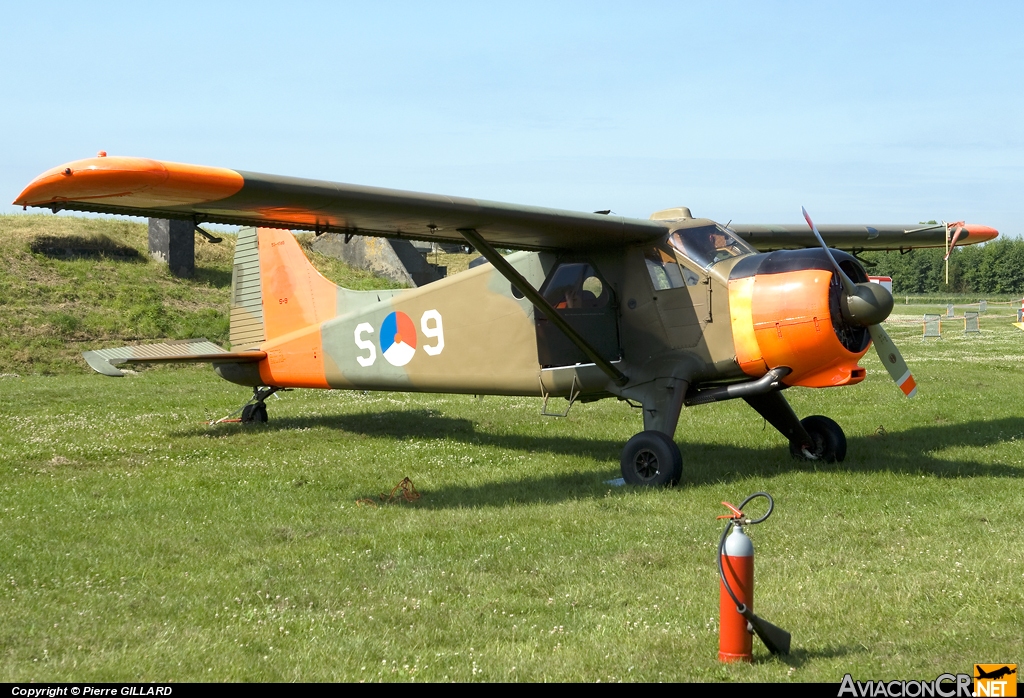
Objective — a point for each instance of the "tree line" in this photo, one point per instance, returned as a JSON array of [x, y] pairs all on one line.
[[993, 268]]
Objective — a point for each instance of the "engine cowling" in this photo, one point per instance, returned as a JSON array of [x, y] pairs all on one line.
[[786, 311]]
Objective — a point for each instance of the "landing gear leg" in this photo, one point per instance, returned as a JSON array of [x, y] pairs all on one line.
[[813, 438], [256, 409], [651, 457], [662, 406]]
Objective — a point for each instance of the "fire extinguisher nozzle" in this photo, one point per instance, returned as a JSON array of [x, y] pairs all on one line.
[[774, 638]]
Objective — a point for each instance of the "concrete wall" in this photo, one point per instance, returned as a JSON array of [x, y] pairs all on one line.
[[173, 243], [397, 260]]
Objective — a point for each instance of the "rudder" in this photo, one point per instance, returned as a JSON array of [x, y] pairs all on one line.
[[247, 328]]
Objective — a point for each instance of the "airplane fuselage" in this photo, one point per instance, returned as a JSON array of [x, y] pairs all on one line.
[[475, 333]]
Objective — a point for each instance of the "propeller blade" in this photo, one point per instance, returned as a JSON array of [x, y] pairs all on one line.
[[848, 284], [956, 236], [893, 361], [867, 305]]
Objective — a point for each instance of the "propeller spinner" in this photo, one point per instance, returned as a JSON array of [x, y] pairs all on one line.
[[867, 305]]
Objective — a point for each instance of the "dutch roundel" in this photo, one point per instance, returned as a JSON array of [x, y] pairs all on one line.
[[398, 339]]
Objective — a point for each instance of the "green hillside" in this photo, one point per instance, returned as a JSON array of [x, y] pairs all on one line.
[[71, 284]]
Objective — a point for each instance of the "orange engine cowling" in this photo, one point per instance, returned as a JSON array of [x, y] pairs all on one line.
[[785, 312]]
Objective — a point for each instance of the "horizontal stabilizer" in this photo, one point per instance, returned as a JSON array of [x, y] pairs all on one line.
[[174, 351]]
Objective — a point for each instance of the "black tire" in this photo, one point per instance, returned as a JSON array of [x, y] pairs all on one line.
[[255, 413], [652, 459], [829, 440]]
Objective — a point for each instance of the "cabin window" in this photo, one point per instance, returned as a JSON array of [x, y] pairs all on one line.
[[576, 285], [587, 303]]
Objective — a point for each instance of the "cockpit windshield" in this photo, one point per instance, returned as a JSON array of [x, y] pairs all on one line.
[[709, 244]]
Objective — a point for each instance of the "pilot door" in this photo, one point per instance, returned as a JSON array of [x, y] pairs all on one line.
[[586, 301], [682, 294]]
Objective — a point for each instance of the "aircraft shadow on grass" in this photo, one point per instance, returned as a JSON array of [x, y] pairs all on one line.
[[100, 247], [907, 451], [218, 278], [79, 247]]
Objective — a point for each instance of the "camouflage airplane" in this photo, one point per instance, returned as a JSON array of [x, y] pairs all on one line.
[[661, 313]]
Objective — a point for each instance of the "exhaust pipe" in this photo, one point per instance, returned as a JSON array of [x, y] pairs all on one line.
[[765, 384]]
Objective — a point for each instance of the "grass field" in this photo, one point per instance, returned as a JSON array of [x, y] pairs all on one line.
[[137, 543]]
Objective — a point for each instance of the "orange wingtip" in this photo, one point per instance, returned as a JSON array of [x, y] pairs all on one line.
[[137, 182], [977, 233]]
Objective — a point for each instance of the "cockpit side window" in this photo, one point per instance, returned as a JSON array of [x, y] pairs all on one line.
[[708, 245], [663, 269], [665, 272]]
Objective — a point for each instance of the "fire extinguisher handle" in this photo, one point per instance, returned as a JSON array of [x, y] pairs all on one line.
[[739, 518]]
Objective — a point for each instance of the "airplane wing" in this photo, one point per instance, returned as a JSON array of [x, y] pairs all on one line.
[[150, 188], [859, 237]]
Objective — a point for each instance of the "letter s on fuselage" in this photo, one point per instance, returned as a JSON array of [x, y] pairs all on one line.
[[365, 344]]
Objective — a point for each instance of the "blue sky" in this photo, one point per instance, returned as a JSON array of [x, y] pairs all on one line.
[[871, 112]]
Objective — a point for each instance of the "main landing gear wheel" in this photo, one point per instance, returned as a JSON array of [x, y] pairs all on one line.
[[651, 458], [829, 441], [256, 413]]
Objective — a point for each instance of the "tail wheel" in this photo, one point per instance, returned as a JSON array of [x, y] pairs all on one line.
[[829, 441], [255, 413], [651, 458]]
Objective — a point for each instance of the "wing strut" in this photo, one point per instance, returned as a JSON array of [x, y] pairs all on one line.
[[510, 273]]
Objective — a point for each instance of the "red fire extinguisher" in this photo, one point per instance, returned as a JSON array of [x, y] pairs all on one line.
[[737, 622]]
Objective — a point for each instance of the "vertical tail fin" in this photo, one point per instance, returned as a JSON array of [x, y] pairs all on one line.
[[275, 289]]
